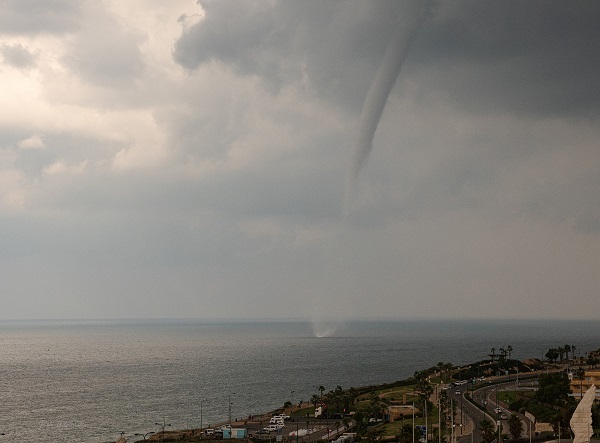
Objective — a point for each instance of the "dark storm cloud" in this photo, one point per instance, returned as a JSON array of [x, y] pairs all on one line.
[[35, 16], [337, 45], [526, 57], [17, 55], [533, 57]]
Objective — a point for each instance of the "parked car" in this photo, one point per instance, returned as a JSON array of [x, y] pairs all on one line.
[[282, 416], [273, 428], [209, 431]]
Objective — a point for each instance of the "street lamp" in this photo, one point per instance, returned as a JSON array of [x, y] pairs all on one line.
[[201, 414], [162, 425], [230, 433]]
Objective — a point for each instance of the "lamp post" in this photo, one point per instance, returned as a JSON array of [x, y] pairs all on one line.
[[452, 422], [440, 412], [413, 422], [201, 414], [162, 425], [230, 433]]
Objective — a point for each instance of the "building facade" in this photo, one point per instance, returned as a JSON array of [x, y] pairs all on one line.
[[579, 386]]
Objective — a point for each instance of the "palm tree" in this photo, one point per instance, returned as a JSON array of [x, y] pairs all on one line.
[[493, 354], [406, 434], [440, 367], [561, 352], [346, 421], [321, 390], [315, 400], [502, 354], [361, 421], [509, 348], [580, 374], [567, 349], [487, 430], [573, 347], [515, 426], [375, 433]]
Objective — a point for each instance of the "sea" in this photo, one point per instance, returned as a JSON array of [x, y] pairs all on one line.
[[91, 380]]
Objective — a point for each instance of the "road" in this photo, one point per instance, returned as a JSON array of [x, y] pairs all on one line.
[[486, 398], [323, 429]]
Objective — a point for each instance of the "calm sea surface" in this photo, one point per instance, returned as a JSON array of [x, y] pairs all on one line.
[[85, 381]]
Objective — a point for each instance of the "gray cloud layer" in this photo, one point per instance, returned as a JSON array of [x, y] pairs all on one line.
[[189, 160]]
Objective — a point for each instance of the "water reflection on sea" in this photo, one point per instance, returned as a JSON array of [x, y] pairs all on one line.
[[88, 380]]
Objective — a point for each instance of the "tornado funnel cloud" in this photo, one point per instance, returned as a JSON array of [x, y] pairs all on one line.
[[377, 95]]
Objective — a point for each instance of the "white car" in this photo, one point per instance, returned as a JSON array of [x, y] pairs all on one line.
[[273, 428], [276, 421]]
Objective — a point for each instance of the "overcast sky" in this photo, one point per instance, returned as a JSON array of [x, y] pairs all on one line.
[[182, 159]]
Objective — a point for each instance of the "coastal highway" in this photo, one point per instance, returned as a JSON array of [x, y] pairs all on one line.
[[322, 429], [486, 397]]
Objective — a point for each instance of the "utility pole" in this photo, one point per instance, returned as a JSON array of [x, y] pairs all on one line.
[[439, 420], [413, 422]]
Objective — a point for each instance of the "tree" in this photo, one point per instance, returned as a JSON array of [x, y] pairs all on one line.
[[596, 415], [405, 434], [553, 388], [509, 348], [580, 375], [347, 422], [487, 430], [376, 406], [449, 366], [493, 354], [423, 387], [361, 419], [573, 348], [503, 353], [375, 433], [561, 352], [552, 354], [315, 400], [515, 426], [567, 349], [321, 389]]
